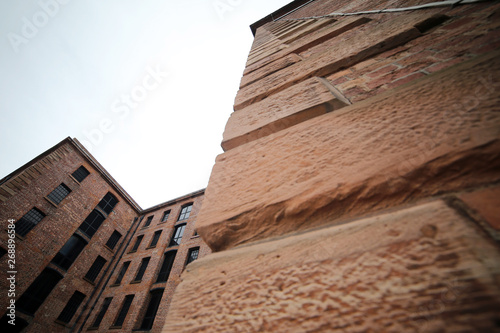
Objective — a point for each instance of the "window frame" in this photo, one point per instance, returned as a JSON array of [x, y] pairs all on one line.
[[138, 241], [184, 215], [148, 221], [166, 266], [27, 223], [111, 242], [77, 174], [59, 194], [102, 312], [141, 270], [95, 269], [154, 302], [68, 312], [92, 223], [65, 261], [166, 215], [155, 239], [124, 308], [175, 240], [122, 272], [189, 255], [38, 291]]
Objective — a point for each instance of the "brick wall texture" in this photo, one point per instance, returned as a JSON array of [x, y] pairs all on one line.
[[358, 188]]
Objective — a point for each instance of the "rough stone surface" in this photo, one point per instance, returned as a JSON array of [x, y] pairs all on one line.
[[411, 270], [383, 37], [438, 134], [303, 101], [486, 202]]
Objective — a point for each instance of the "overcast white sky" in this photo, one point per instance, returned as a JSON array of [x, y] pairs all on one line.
[[147, 86]]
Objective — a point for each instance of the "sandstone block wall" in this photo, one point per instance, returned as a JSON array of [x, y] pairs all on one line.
[[358, 190]]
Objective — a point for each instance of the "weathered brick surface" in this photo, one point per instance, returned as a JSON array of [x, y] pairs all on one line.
[[303, 101], [410, 270], [436, 135]]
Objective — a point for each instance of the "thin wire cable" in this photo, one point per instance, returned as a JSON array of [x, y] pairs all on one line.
[[389, 10]]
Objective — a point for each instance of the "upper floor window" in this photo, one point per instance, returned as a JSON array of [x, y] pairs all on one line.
[[69, 252], [59, 194], [142, 269], [29, 221], [165, 216], [113, 239], [70, 309], [152, 309], [185, 212], [92, 223], [108, 203], [102, 312], [123, 311], [80, 174], [120, 276], [177, 236], [148, 221], [193, 254], [95, 269], [155, 238], [138, 241], [166, 266], [38, 291]]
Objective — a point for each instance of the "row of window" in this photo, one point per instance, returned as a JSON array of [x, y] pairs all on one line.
[[174, 241], [183, 215], [165, 268], [34, 216]]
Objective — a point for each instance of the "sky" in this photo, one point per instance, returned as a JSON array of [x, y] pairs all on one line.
[[147, 86]]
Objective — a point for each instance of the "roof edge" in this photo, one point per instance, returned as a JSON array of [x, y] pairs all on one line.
[[174, 201], [278, 13]]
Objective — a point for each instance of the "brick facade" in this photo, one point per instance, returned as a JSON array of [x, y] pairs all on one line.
[[35, 249]]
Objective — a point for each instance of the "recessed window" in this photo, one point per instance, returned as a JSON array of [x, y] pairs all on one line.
[[70, 309], [29, 221], [165, 216], [95, 269], [177, 236], [38, 291], [123, 310], [113, 239], [102, 312], [155, 238], [193, 254], [166, 266], [120, 276], [138, 241], [152, 309], [92, 223], [69, 252], [80, 174], [148, 221], [59, 194], [185, 212], [142, 269], [108, 203]]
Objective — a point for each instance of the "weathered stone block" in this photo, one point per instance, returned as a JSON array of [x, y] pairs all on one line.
[[437, 134], [486, 202], [383, 37], [303, 101], [411, 270]]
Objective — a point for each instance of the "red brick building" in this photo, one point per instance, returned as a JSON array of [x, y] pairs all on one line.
[[75, 229]]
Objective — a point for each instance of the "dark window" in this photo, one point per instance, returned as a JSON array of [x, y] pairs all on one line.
[[123, 311], [17, 328], [166, 266], [95, 269], [70, 309], [69, 252], [138, 241], [165, 216], [80, 174], [142, 269], [100, 315], [155, 238], [29, 221], [2, 252], [122, 272], [177, 236], [38, 291], [193, 254], [92, 223], [185, 212], [148, 221], [154, 303], [108, 203], [113, 239], [59, 194]]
